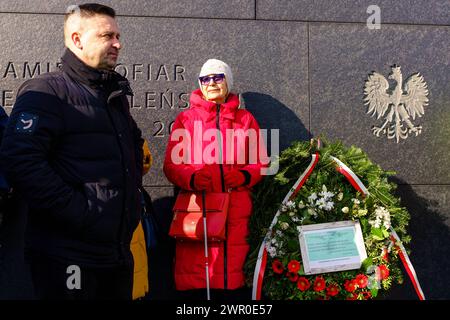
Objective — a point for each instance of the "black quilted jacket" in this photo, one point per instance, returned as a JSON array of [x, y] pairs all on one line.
[[74, 152]]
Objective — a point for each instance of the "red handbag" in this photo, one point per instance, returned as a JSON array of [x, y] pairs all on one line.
[[187, 222]]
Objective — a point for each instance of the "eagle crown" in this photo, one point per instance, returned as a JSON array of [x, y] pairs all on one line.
[[396, 74]]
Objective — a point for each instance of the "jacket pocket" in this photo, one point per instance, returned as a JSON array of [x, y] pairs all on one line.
[[104, 214]]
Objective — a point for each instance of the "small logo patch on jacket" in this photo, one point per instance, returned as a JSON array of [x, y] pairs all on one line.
[[27, 123]]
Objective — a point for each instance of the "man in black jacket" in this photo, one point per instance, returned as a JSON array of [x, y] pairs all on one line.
[[4, 187], [74, 152]]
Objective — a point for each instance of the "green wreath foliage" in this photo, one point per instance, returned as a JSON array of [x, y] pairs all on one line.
[[326, 196]]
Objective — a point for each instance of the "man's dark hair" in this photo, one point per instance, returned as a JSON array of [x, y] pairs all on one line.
[[88, 10]]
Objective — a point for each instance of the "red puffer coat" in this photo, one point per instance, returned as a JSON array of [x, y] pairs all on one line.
[[190, 260]]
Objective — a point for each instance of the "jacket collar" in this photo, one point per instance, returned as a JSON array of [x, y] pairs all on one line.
[[208, 109], [108, 80]]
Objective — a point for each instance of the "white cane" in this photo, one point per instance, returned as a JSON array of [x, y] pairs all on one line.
[[205, 234]]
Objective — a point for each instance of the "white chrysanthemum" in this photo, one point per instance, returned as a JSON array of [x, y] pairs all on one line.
[[272, 252], [320, 203], [329, 205], [273, 247], [324, 204], [356, 201], [382, 212], [345, 209], [312, 197], [291, 213], [301, 205], [290, 204], [382, 217], [375, 223], [327, 195], [340, 196]]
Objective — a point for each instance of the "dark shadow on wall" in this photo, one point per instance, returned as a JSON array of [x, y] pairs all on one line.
[[272, 114], [430, 247], [160, 258]]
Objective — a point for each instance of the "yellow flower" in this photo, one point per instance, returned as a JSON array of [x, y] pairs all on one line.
[[362, 212]]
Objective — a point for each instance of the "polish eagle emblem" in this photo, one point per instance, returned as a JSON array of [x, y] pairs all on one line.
[[398, 106]]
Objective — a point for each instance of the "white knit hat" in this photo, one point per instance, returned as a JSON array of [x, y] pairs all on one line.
[[214, 66]]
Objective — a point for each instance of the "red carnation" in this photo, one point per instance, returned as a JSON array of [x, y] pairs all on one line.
[[292, 276], [361, 280], [319, 284], [384, 272], [294, 266], [277, 266], [350, 285], [303, 284], [332, 290]]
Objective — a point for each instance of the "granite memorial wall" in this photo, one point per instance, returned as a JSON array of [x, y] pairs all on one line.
[[299, 66]]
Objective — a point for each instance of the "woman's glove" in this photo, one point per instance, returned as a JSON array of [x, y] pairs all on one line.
[[201, 179], [234, 178]]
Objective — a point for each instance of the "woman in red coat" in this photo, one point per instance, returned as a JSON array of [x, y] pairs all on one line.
[[199, 158]]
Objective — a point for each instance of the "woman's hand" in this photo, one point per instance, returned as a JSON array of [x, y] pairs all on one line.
[[202, 179], [234, 178]]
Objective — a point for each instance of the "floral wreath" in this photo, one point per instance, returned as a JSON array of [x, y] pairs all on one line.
[[326, 196]]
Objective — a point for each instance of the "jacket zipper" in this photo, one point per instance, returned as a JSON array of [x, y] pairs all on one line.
[[124, 214], [225, 260], [220, 147]]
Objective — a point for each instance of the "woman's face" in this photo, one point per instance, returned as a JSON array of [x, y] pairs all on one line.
[[214, 88]]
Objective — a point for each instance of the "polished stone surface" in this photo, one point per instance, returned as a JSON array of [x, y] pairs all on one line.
[[231, 9], [342, 57], [392, 11]]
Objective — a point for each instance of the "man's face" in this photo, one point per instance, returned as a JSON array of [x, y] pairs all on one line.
[[100, 42]]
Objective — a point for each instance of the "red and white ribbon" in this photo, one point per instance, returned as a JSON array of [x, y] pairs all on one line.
[[351, 176], [359, 186], [261, 262], [408, 265]]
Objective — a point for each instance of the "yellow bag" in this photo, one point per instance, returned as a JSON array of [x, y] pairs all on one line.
[[138, 245]]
